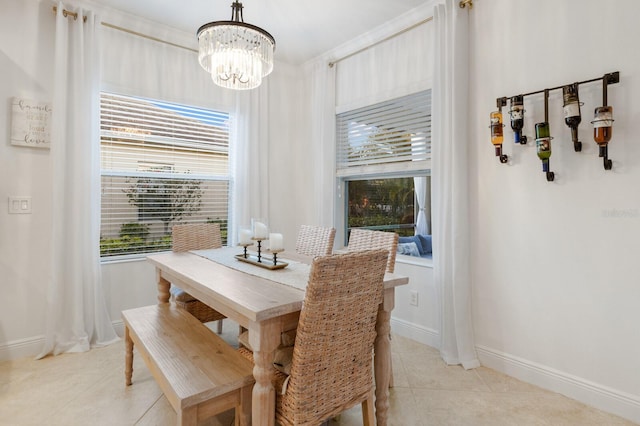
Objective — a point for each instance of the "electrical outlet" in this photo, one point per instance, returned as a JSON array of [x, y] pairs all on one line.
[[413, 298]]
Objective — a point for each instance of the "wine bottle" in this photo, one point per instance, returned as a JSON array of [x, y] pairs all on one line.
[[517, 118], [602, 122], [572, 116], [543, 144], [497, 136], [602, 128]]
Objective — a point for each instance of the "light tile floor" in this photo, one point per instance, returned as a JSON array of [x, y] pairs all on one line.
[[88, 389]]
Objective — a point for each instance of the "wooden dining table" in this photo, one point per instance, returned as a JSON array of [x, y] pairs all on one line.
[[266, 303]]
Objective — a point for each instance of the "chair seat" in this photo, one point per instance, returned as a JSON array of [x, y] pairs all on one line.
[[200, 310]]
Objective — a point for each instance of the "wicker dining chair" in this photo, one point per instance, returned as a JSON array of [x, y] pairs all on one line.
[[366, 239], [332, 365], [315, 240], [196, 236]]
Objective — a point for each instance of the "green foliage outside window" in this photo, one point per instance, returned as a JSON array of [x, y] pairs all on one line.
[[382, 204], [168, 200], [134, 238]]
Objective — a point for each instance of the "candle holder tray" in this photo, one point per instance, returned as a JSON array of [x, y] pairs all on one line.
[[266, 262]]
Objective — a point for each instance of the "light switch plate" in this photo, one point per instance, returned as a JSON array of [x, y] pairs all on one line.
[[19, 205]]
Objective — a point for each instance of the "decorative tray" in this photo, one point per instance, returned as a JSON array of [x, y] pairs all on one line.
[[267, 262]]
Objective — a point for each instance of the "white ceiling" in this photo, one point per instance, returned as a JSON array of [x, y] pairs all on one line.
[[303, 29]]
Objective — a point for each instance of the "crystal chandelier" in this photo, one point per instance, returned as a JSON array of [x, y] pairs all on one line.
[[236, 54]]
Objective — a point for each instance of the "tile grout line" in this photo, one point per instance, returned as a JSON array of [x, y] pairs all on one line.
[[149, 408]]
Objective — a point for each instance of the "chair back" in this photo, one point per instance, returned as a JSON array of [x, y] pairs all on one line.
[[366, 239], [332, 369], [315, 240], [196, 236]]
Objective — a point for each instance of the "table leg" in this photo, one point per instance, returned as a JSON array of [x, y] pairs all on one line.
[[264, 339], [243, 413], [382, 364], [163, 288]]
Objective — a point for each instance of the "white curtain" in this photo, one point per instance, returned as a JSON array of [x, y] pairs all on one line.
[[450, 183], [77, 316], [420, 185], [323, 134], [250, 157]]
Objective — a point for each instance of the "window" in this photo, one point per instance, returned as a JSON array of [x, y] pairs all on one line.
[[386, 204], [383, 165], [161, 164]]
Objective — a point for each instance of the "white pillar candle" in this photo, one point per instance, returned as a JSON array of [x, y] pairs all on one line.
[[275, 242], [260, 231], [244, 237]]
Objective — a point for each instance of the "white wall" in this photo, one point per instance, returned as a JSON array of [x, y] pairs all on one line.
[[128, 285], [555, 269], [26, 60], [421, 322]]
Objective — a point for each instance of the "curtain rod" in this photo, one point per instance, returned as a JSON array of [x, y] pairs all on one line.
[[126, 30], [66, 13]]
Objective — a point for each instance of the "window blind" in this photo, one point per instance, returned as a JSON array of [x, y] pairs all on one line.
[[161, 164], [390, 136]]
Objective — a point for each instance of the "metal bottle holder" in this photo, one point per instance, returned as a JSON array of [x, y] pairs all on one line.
[[602, 122]]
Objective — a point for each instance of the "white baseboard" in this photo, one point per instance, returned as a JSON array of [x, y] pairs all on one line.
[[416, 332], [589, 393], [22, 348]]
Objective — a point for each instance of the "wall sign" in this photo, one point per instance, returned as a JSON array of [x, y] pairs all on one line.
[[30, 123]]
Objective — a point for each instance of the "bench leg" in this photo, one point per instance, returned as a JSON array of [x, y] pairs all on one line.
[[188, 416], [128, 356], [220, 326]]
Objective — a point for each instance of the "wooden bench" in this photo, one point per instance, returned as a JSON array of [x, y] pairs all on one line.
[[200, 374]]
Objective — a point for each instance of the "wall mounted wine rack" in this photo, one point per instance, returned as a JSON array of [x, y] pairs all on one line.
[[602, 122]]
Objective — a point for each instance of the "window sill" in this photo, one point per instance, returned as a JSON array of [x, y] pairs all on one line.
[[126, 258], [401, 258], [413, 260]]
